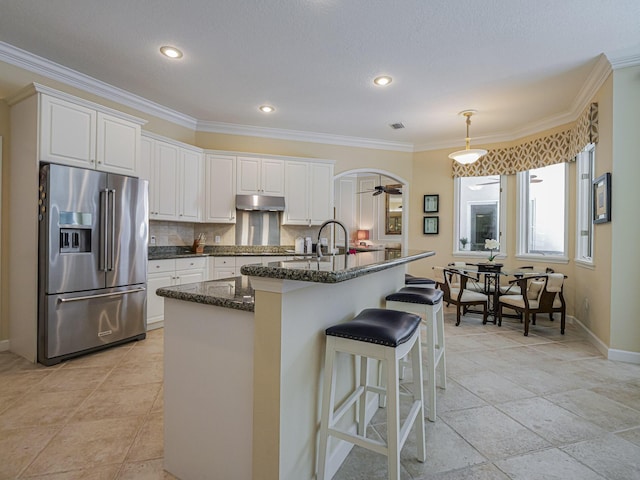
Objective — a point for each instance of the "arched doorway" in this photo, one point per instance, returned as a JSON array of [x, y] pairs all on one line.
[[384, 215]]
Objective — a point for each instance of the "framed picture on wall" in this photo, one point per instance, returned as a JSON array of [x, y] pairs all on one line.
[[431, 203], [602, 199], [431, 225]]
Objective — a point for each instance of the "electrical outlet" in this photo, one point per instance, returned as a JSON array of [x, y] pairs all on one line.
[[217, 239], [586, 304], [152, 240]]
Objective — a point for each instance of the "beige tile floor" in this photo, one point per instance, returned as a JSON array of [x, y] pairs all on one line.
[[538, 407]]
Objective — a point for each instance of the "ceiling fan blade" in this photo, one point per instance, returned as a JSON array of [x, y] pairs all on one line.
[[393, 191], [365, 191], [377, 192]]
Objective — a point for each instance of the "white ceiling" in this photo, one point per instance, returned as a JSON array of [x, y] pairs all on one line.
[[522, 64]]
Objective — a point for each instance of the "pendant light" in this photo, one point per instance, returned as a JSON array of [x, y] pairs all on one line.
[[468, 155]]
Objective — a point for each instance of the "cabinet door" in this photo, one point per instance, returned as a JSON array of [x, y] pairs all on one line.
[[272, 177], [190, 186], [155, 304], [248, 175], [221, 272], [118, 145], [189, 276], [220, 187], [166, 173], [67, 133], [320, 192], [296, 194], [146, 172]]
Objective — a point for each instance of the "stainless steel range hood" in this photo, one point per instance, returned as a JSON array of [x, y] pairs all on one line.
[[264, 203]]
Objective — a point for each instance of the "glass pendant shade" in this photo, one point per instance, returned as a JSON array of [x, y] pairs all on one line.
[[468, 155]]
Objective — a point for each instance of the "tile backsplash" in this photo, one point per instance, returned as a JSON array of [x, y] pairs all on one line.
[[183, 233]]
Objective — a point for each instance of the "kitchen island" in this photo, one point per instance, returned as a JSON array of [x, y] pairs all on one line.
[[244, 358]]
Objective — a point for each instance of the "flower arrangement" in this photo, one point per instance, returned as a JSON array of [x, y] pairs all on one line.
[[491, 244]]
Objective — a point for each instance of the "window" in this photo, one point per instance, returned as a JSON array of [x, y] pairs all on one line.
[[584, 213], [542, 212], [479, 213]]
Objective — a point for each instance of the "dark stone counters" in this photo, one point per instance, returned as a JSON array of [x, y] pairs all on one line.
[[333, 269], [234, 292], [237, 293], [163, 253]]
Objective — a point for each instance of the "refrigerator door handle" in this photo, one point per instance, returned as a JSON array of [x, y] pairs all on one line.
[[112, 208], [100, 295], [104, 223]]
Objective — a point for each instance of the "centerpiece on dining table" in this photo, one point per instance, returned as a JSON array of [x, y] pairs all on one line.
[[492, 244]]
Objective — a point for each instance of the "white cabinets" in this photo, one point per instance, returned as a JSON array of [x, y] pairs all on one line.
[[308, 192], [220, 187], [222, 267], [225, 267], [263, 176], [81, 134], [166, 273], [174, 172], [190, 186]]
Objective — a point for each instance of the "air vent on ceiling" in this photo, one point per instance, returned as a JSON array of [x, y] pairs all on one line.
[[397, 126]]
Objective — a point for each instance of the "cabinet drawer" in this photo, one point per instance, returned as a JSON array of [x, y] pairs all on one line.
[[224, 262], [157, 266], [190, 263]]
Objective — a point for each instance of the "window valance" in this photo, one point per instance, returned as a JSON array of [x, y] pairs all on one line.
[[556, 148]]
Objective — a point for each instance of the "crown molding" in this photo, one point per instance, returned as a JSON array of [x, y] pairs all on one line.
[[41, 66], [598, 75], [624, 60], [301, 136]]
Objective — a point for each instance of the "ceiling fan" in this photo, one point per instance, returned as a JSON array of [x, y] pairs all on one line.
[[378, 189]]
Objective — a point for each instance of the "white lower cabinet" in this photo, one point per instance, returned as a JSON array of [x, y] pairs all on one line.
[[167, 273]]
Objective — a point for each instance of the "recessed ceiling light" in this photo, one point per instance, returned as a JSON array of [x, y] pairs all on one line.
[[267, 109], [382, 81], [171, 52]]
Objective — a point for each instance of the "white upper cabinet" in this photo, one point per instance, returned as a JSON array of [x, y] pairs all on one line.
[[81, 135], [263, 176], [308, 193], [220, 188], [190, 186], [175, 180]]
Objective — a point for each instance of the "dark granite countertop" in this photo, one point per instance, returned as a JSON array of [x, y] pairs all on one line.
[[164, 253], [333, 269], [234, 292]]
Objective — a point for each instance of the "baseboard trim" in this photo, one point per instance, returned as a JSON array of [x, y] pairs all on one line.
[[608, 353], [4, 345], [624, 356]]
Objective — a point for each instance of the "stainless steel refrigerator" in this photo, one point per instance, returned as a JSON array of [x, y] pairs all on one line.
[[92, 261]]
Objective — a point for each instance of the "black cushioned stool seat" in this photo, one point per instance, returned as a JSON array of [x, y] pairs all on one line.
[[426, 296], [427, 302], [387, 336], [377, 325], [410, 280]]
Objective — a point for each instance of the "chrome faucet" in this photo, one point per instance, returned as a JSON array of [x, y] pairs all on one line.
[[346, 237]]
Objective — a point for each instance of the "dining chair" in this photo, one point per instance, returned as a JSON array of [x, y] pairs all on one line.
[[542, 294], [454, 284]]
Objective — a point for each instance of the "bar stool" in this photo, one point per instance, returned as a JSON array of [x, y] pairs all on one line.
[[387, 336], [419, 282], [427, 302]]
